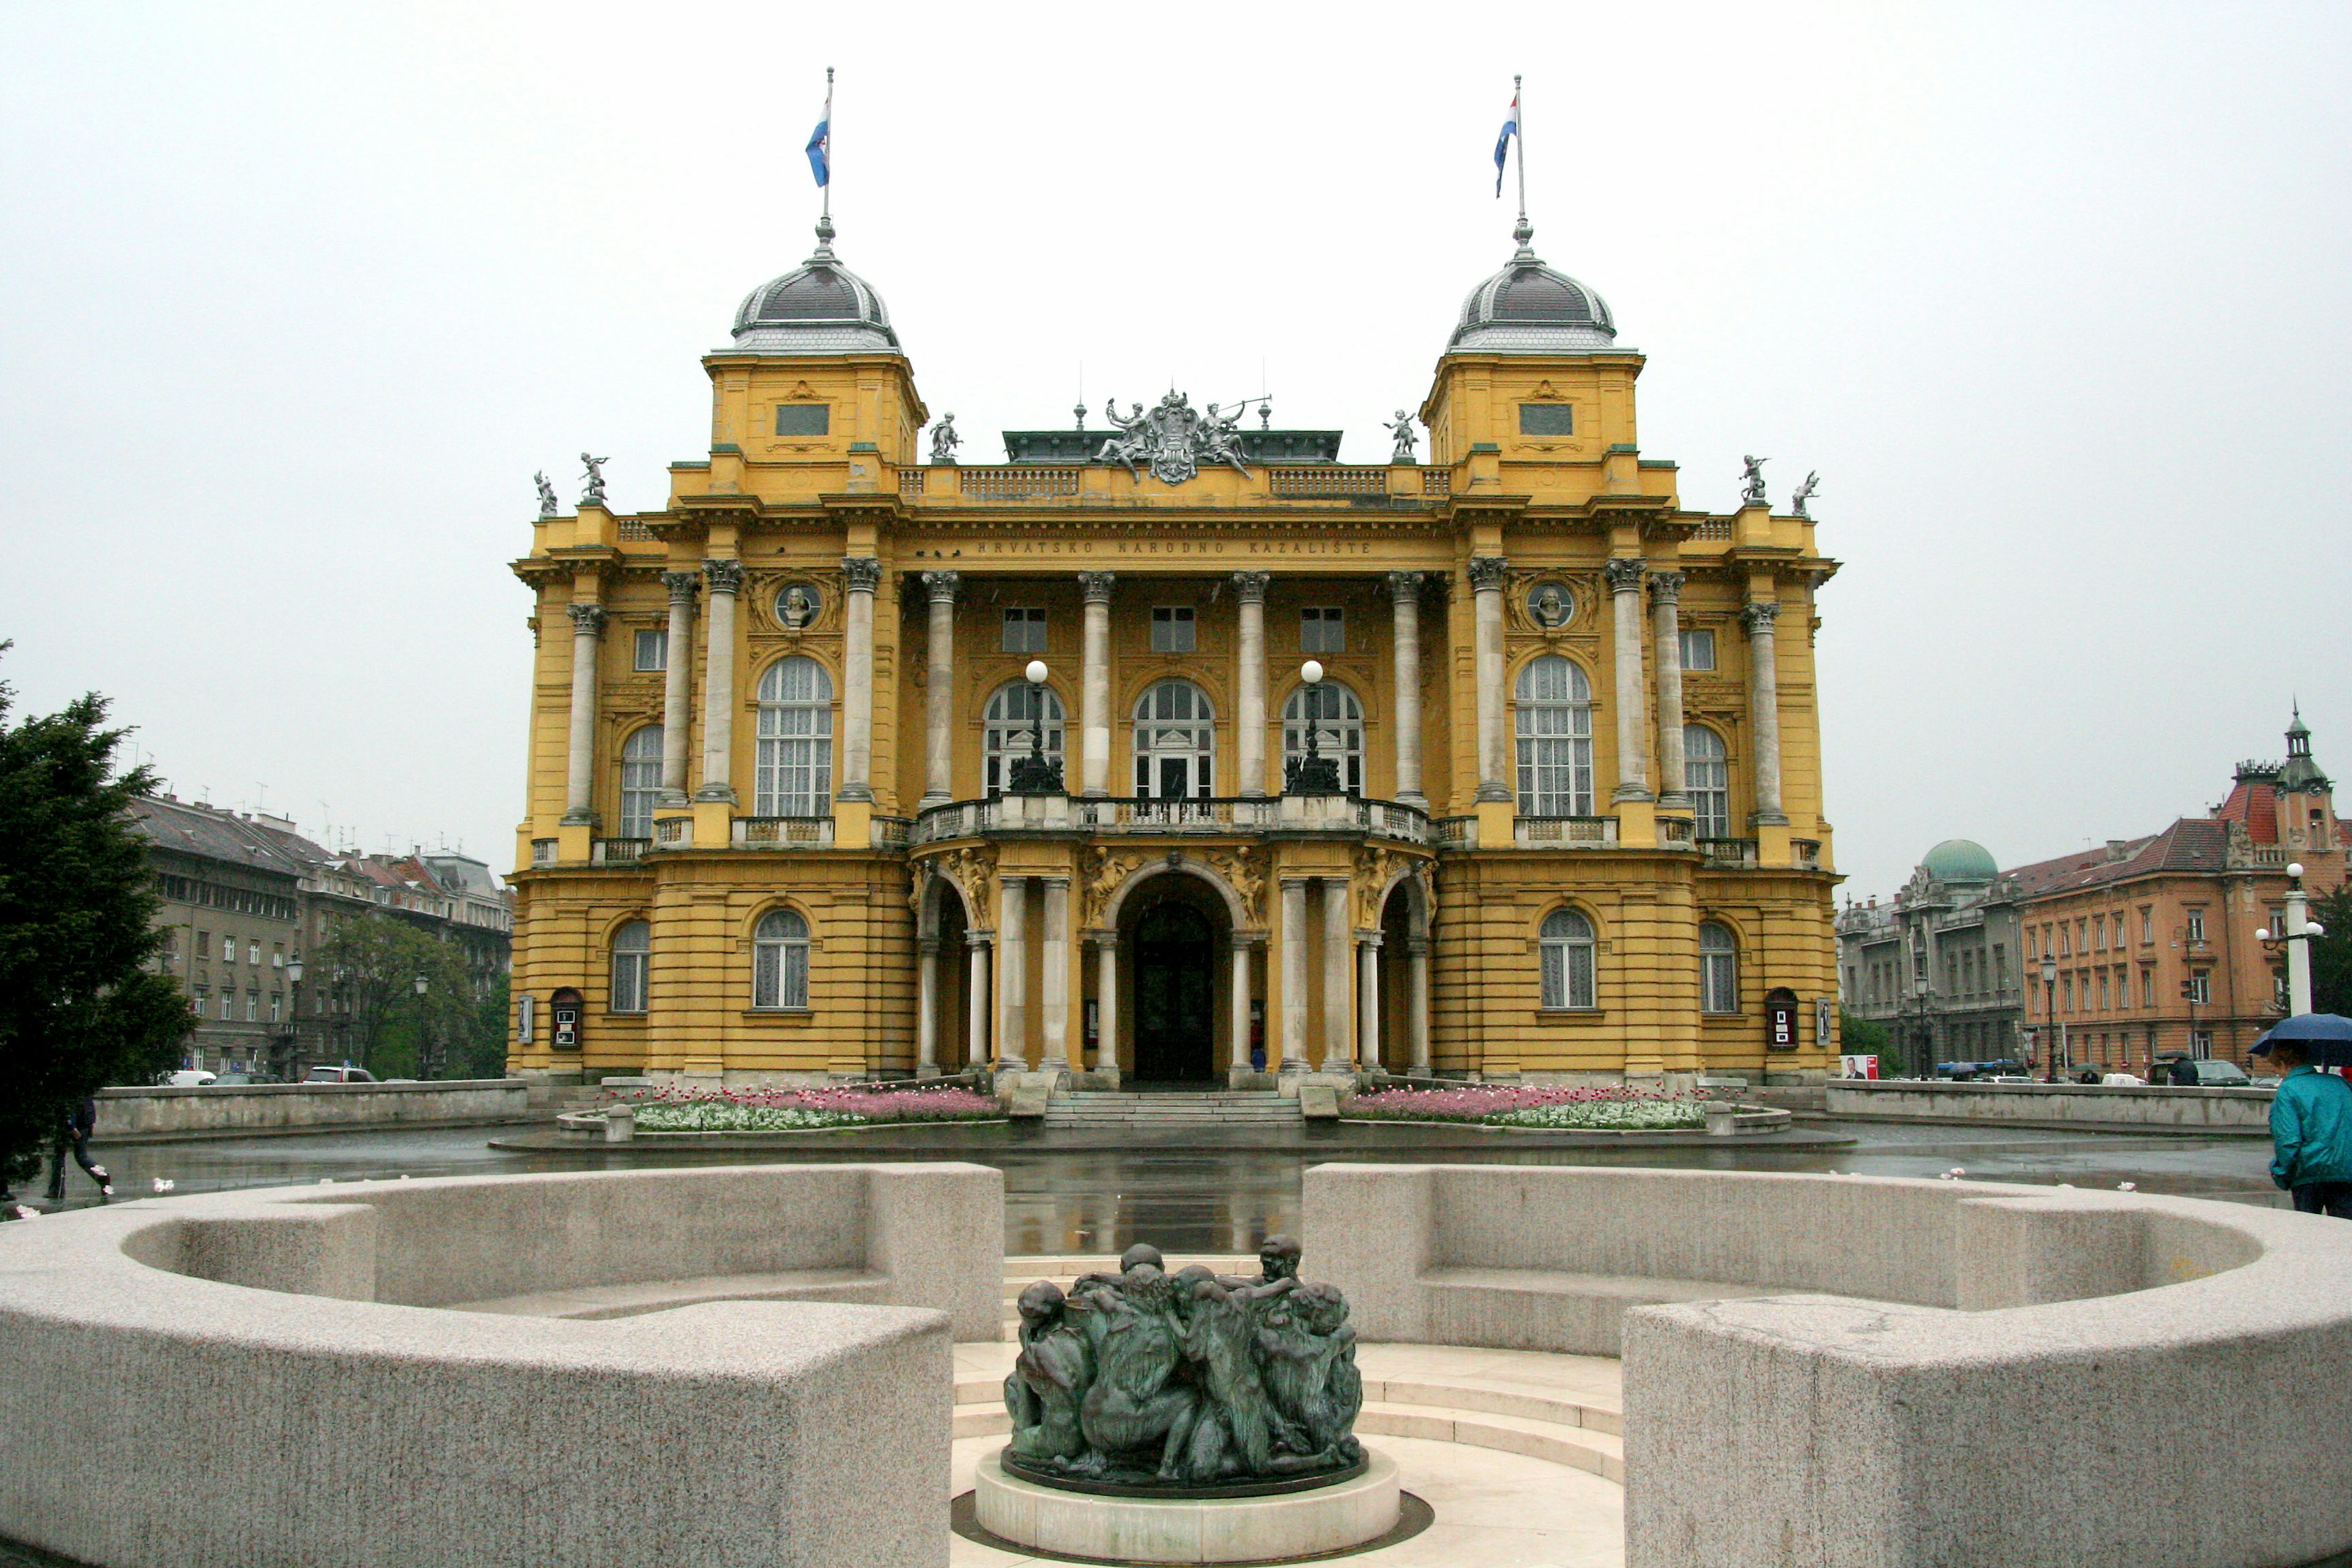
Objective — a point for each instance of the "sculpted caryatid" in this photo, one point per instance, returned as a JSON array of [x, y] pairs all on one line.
[[1141, 1377]]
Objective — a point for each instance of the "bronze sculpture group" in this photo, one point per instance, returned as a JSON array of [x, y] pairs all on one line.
[[1145, 1380]]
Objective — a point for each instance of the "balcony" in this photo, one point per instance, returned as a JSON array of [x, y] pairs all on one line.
[[617, 851], [1727, 853], [1564, 832], [543, 850], [673, 832], [1221, 816], [783, 833]]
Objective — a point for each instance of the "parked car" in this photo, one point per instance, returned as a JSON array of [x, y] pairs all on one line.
[[189, 1078], [242, 1077], [2192, 1072], [344, 1074]]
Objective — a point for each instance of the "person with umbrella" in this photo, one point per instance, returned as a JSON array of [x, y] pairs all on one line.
[[2311, 1112]]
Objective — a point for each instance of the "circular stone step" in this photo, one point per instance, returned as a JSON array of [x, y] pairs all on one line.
[[1209, 1530]]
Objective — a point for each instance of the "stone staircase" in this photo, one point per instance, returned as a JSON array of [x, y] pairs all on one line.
[[1441, 1393], [1226, 1108]]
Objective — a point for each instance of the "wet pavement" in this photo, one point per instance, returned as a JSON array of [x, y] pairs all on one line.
[[1201, 1188]]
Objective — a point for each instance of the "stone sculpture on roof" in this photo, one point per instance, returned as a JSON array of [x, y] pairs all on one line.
[[1175, 440], [1183, 1382], [547, 503], [594, 495], [1401, 429], [1804, 493], [944, 440], [1751, 475]]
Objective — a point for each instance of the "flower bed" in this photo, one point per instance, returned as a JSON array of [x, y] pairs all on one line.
[[1606, 1109], [801, 1109]]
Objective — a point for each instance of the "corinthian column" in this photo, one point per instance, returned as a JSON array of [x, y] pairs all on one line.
[[860, 574], [1294, 974], [1053, 977], [938, 711], [927, 1008], [1417, 1019], [580, 769], [1624, 575], [1764, 708], [1368, 991], [1249, 701], [1013, 977], [677, 683], [1404, 596], [1486, 574], [1339, 979], [1094, 685], [1665, 610], [725, 581]]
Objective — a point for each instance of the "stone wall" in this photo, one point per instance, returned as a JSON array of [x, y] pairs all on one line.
[[2153, 1108], [1845, 1372], [245, 1110], [277, 1354]]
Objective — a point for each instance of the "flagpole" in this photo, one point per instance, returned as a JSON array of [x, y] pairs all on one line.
[[828, 154], [1519, 99]]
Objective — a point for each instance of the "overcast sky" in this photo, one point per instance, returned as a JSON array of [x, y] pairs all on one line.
[[294, 298]]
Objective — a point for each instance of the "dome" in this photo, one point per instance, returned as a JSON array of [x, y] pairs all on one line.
[[1528, 309], [1959, 860], [819, 308]]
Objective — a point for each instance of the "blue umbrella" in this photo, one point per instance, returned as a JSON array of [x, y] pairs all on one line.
[[2327, 1035]]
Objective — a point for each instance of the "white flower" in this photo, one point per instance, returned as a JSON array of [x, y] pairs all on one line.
[[2127, 1187], [162, 1185]]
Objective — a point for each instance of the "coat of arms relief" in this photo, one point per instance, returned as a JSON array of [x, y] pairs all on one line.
[[1175, 440]]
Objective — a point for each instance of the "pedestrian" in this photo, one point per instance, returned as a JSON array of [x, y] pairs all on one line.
[[2311, 1131], [73, 1133]]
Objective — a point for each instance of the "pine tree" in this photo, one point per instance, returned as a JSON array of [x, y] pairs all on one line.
[[78, 1009], [2331, 955]]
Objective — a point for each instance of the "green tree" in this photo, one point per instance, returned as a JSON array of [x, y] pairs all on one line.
[[1861, 1036], [79, 1010], [2331, 955], [486, 1049], [371, 966]]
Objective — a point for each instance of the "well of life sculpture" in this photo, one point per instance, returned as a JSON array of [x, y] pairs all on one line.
[[1189, 1385]]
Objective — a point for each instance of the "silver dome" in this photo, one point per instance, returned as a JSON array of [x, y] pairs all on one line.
[[819, 308], [1528, 309]]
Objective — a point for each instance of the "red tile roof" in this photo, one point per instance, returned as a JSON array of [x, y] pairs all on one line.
[[2192, 844], [2256, 805]]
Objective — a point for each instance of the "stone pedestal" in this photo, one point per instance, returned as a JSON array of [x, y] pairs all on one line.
[[1209, 1530]]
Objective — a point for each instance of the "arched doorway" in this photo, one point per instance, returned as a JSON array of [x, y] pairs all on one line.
[[1175, 996]]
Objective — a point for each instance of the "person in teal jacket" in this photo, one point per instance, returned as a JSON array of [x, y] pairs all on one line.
[[2311, 1134]]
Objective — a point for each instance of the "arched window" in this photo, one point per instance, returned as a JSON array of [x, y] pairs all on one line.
[[1567, 947], [1012, 730], [641, 773], [1555, 727], [795, 760], [1175, 742], [1340, 722], [633, 947], [1718, 969], [780, 952], [1707, 777]]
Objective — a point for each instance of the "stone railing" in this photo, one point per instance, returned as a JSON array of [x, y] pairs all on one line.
[[1221, 815], [1319, 481], [910, 481], [1018, 483], [1564, 832], [673, 832], [1727, 853], [1807, 853], [1676, 832], [542, 851], [1715, 528], [244, 1110], [1437, 481], [1817, 1337], [617, 851], [783, 833]]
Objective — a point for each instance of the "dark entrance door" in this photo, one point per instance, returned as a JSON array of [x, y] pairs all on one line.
[[1175, 953]]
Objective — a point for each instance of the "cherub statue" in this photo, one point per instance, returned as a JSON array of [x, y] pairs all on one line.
[[546, 494], [1219, 440], [1752, 480], [1048, 1382], [595, 467], [1804, 493], [1131, 442], [944, 440], [1402, 431]]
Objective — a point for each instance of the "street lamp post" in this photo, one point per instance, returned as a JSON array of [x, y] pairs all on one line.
[[424, 1035], [1036, 774], [2295, 935], [2049, 1014], [1313, 774], [294, 1020]]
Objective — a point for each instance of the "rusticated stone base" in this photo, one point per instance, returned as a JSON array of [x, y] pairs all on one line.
[[1208, 1529]]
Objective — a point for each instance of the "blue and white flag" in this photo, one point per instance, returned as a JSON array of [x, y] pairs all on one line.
[[1502, 145], [820, 147]]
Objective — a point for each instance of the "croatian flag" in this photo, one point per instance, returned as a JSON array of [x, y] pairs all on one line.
[[820, 146], [1502, 143]]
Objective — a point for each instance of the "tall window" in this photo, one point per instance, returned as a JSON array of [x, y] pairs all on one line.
[[1338, 722], [1698, 648], [1565, 943], [633, 947], [1175, 742], [641, 773], [1707, 775], [1011, 725], [652, 650], [795, 760], [1718, 969], [1555, 726], [780, 950], [2197, 925], [1024, 630], [1173, 628], [1323, 630]]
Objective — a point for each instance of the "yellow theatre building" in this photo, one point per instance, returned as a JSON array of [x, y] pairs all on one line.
[[1173, 749]]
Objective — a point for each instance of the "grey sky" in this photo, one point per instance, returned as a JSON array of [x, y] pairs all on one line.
[[294, 298]]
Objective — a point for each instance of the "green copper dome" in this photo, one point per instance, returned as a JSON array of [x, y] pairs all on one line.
[[1959, 860]]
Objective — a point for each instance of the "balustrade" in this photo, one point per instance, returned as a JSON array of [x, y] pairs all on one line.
[[673, 832], [1218, 815], [542, 851], [1021, 482], [1437, 481], [1733, 853], [1565, 832], [1319, 481], [617, 851], [783, 833]]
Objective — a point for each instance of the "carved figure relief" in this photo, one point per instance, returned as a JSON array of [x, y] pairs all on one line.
[[1174, 439], [1244, 869], [1100, 875], [973, 870], [1550, 605]]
